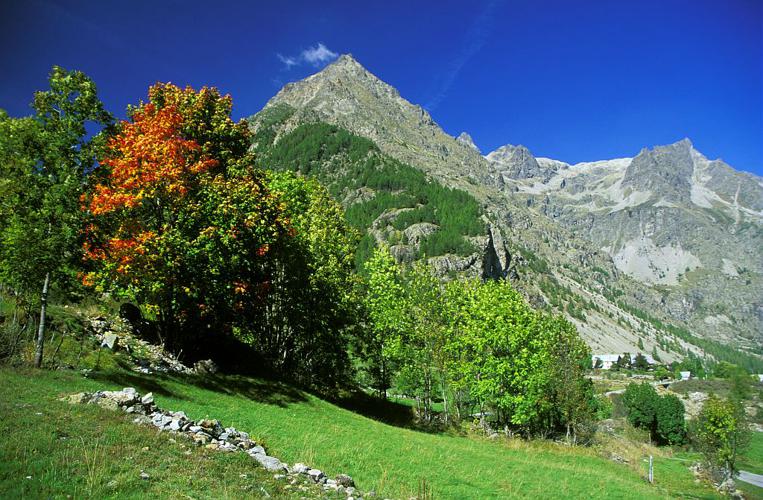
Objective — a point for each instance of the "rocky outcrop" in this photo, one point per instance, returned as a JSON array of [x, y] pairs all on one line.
[[117, 334], [212, 435], [516, 162], [467, 140], [665, 172]]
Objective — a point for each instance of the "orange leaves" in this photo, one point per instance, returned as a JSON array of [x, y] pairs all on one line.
[[148, 159], [180, 218]]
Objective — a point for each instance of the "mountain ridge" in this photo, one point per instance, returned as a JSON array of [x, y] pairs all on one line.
[[546, 220]]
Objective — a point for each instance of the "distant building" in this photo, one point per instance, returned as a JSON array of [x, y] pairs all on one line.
[[609, 360], [685, 375]]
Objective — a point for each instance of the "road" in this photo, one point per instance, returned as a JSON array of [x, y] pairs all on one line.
[[749, 477]]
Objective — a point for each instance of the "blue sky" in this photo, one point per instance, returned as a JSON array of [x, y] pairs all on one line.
[[572, 80]]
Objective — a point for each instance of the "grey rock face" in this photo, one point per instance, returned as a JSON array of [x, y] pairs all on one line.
[[270, 463], [516, 162], [467, 140], [417, 232], [665, 171]]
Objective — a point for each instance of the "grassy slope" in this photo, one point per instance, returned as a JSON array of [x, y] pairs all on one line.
[[295, 427], [51, 449], [752, 461]]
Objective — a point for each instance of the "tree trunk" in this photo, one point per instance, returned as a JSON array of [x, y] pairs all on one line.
[[445, 405], [41, 327]]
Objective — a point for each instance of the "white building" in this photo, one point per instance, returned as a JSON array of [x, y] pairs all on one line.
[[608, 360], [685, 375]]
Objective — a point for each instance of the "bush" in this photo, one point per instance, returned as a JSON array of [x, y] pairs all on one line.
[[641, 401], [661, 416], [671, 426], [721, 433], [604, 407]]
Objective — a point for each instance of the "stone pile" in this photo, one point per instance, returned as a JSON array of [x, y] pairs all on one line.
[[212, 435], [146, 357]]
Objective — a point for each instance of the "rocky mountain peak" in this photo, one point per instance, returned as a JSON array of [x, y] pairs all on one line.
[[665, 171], [346, 94], [517, 162], [467, 140]]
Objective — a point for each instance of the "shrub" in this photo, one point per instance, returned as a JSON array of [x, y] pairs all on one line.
[[671, 427], [721, 432], [641, 401]]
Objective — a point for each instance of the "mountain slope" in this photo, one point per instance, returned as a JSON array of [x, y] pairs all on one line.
[[677, 222], [556, 265]]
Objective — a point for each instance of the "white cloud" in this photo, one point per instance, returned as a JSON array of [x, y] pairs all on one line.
[[288, 61], [314, 56], [318, 55]]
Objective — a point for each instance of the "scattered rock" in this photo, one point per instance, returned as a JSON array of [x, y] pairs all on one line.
[[110, 340], [212, 435], [147, 399], [75, 399], [345, 480], [270, 463], [315, 474], [300, 468], [205, 367]]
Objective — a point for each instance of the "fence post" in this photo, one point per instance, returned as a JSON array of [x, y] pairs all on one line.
[[651, 470]]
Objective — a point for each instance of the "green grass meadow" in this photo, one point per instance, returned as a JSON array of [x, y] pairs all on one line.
[[90, 452]]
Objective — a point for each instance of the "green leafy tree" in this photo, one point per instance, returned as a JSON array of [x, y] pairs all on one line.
[[640, 362], [670, 422], [721, 433], [313, 303], [524, 366], [386, 305], [573, 393], [46, 159], [641, 401]]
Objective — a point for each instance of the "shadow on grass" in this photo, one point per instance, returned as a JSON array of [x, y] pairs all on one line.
[[262, 390], [385, 411], [272, 392]]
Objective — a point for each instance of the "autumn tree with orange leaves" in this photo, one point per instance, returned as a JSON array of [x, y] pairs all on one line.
[[180, 221]]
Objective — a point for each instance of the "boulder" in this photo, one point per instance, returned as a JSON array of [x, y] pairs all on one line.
[[201, 438], [316, 475], [77, 399], [126, 397], [108, 403], [110, 340], [270, 463], [345, 480], [256, 450], [300, 468], [205, 367], [147, 399]]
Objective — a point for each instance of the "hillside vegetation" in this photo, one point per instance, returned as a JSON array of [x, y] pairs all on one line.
[[370, 184], [88, 451]]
